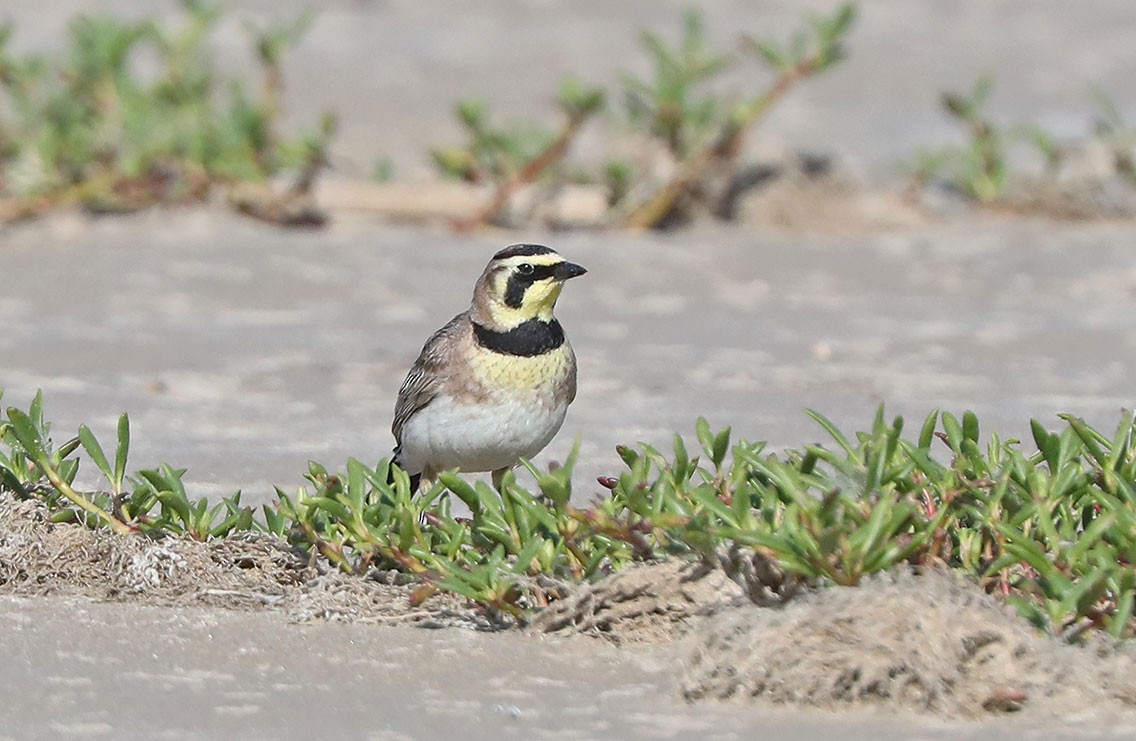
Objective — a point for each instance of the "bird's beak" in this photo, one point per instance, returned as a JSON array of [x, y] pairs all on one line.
[[566, 270]]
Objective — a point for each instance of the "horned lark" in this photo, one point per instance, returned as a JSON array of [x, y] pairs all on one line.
[[494, 384]]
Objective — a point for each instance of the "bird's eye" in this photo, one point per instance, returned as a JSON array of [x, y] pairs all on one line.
[[525, 269]]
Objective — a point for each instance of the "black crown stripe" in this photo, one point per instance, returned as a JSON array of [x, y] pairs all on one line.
[[523, 250]]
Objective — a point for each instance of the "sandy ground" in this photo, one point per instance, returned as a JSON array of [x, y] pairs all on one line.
[[241, 351], [138, 672]]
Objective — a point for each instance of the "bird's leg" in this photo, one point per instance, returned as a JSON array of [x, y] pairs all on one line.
[[415, 480], [499, 477], [425, 480]]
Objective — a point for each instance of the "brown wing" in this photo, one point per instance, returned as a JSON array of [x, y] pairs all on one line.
[[421, 384], [571, 375]]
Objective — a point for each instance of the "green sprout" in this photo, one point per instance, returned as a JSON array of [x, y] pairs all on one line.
[[83, 128], [981, 169], [705, 135]]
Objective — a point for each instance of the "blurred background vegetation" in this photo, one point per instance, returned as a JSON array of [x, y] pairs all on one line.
[[132, 111]]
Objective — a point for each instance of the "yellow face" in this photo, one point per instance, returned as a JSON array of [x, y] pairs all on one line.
[[526, 287]]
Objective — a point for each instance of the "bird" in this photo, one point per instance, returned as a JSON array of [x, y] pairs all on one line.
[[493, 385]]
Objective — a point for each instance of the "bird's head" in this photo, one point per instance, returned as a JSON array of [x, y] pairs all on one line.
[[521, 283]]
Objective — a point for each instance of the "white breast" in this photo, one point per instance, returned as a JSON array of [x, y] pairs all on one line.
[[479, 437]]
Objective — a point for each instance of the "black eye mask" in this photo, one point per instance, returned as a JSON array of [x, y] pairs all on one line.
[[519, 283]]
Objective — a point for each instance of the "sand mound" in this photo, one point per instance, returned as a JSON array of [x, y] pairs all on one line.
[[930, 643], [652, 603], [245, 571], [39, 557]]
